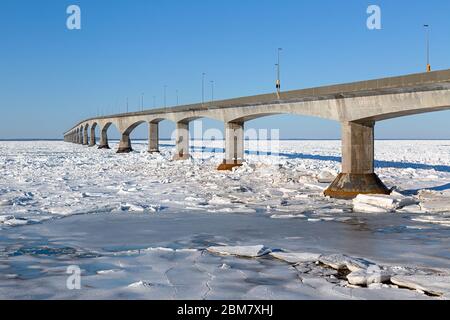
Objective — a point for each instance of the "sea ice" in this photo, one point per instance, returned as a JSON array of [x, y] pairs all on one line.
[[381, 203], [365, 277], [15, 222], [341, 261], [55, 180], [296, 257], [434, 202], [326, 176], [3, 219], [432, 284], [243, 251]]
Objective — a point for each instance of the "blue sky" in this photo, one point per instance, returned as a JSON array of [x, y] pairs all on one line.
[[51, 77]]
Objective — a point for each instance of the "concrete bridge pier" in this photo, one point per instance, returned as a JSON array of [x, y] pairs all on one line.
[[80, 137], [182, 141], [85, 137], [358, 176], [125, 144], [103, 138], [234, 146], [153, 137], [92, 137]]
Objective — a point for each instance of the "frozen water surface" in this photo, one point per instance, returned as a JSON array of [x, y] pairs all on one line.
[[143, 227]]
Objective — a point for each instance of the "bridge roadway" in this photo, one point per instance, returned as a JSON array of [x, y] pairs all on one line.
[[357, 106]]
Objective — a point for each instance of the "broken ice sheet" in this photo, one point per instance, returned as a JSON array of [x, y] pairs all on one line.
[[86, 181], [381, 203], [296, 257], [431, 284], [243, 251]]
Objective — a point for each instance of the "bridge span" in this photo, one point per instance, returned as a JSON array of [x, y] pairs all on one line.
[[357, 106]]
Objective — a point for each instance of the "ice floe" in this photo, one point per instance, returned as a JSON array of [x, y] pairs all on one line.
[[296, 257], [44, 180], [365, 277], [326, 176], [341, 261], [381, 203], [243, 251], [431, 284], [441, 220], [434, 202], [12, 221]]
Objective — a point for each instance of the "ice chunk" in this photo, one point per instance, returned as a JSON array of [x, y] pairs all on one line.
[[108, 271], [411, 209], [434, 202], [326, 177], [63, 211], [341, 262], [131, 207], [431, 284], [367, 208], [197, 201], [5, 203], [15, 222], [288, 216], [242, 251], [140, 284], [294, 257], [444, 220], [435, 205], [373, 274], [140, 208], [381, 203], [217, 200], [3, 219]]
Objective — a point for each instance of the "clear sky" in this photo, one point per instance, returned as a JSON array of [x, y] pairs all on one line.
[[52, 77]]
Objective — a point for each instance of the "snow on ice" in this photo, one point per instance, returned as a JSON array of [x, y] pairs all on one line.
[[143, 226]]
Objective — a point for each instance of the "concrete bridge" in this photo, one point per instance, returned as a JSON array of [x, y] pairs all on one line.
[[357, 106]]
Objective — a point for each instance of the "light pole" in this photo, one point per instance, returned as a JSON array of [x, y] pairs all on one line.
[[212, 90], [278, 83], [203, 88], [142, 102], [127, 104], [165, 97], [427, 31], [176, 91]]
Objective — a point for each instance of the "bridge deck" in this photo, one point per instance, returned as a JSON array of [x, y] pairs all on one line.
[[409, 83]]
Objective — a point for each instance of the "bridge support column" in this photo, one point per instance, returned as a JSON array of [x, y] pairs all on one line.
[[358, 176], [92, 138], [125, 144], [85, 137], [182, 141], [103, 139], [234, 146], [153, 137]]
